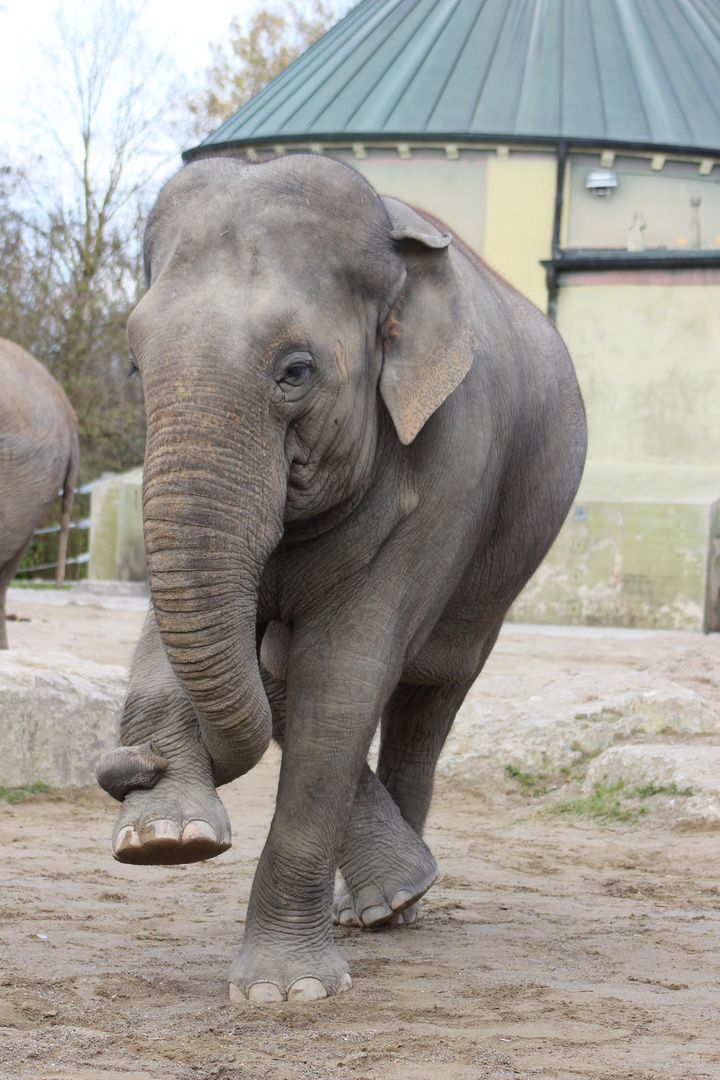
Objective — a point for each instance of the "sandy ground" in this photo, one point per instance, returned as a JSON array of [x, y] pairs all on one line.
[[546, 949]]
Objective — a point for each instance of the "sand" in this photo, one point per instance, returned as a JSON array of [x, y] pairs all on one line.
[[549, 947]]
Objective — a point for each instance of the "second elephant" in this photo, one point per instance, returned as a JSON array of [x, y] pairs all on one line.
[[38, 458]]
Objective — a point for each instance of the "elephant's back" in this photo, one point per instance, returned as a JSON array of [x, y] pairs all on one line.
[[38, 438]]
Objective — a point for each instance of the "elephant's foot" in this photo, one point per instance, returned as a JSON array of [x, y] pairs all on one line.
[[386, 865], [345, 914], [177, 821], [266, 972]]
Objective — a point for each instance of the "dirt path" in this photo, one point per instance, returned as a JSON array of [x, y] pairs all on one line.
[[547, 949]]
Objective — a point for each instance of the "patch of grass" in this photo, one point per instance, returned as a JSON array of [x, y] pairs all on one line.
[[524, 777], [567, 775], [528, 780], [654, 788], [604, 803], [20, 583], [26, 791]]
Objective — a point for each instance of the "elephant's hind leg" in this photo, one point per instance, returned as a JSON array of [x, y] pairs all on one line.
[[171, 812], [385, 864]]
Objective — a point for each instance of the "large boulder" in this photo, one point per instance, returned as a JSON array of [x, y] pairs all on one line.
[[541, 725], [58, 715], [688, 776]]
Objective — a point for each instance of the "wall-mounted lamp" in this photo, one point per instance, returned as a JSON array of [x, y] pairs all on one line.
[[601, 181]]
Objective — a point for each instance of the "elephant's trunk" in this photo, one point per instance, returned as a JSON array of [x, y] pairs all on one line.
[[213, 500]]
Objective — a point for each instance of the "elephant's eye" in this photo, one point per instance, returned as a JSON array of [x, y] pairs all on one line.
[[296, 374], [133, 366]]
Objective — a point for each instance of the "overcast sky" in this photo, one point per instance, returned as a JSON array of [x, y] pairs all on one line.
[[183, 28]]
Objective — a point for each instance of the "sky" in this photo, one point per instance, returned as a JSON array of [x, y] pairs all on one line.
[[183, 28]]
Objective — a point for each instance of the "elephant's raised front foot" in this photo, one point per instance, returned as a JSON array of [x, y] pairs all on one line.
[[177, 821], [287, 971], [386, 865]]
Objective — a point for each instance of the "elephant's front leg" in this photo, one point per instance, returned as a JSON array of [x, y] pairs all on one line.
[[385, 864], [171, 812], [333, 709]]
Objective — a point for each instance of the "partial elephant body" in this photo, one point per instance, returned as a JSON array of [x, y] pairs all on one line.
[[361, 444], [38, 457]]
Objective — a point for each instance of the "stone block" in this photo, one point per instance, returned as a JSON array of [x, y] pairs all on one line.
[[58, 715]]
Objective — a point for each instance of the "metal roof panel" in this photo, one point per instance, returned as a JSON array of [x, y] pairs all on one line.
[[621, 71]]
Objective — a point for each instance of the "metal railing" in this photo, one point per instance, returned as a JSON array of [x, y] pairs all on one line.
[[83, 524]]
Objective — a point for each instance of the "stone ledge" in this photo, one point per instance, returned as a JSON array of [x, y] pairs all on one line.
[[59, 714]]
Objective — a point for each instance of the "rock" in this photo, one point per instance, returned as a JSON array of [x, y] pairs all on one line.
[[541, 726], [689, 775], [58, 714]]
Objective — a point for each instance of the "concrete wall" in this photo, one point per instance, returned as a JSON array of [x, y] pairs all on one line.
[[639, 548], [648, 361], [659, 196]]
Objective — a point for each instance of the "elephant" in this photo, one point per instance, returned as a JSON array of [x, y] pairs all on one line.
[[39, 456], [361, 443]]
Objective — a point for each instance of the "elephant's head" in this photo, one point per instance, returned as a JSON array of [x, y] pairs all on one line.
[[286, 303]]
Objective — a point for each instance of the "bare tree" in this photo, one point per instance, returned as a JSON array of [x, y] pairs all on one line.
[[70, 240], [256, 52]]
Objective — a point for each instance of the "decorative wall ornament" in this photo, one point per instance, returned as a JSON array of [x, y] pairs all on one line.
[[636, 239], [694, 239]]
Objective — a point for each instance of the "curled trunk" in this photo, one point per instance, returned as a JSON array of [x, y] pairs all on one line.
[[213, 499]]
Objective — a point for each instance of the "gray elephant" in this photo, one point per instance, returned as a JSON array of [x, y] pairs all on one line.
[[38, 457], [361, 444]]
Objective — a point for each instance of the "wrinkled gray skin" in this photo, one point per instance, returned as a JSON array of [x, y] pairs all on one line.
[[361, 443], [38, 458]]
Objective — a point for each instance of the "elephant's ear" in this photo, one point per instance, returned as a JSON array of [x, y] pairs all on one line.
[[428, 340]]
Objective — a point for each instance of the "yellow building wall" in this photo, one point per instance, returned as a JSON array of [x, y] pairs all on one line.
[[519, 213], [648, 363], [454, 191]]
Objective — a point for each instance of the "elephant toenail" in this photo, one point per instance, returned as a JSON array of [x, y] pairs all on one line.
[[160, 832], [127, 840], [401, 900], [348, 918], [377, 913], [307, 990], [345, 984], [262, 993], [236, 993], [199, 830]]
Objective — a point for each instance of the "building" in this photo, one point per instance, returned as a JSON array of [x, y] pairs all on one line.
[[576, 146]]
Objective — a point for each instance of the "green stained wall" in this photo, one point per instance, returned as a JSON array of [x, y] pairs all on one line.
[[104, 503], [639, 548], [117, 549]]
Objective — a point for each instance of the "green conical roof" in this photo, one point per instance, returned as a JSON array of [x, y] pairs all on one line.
[[640, 72]]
